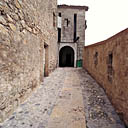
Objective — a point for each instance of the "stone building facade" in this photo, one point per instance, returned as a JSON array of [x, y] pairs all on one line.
[[28, 34], [71, 34], [107, 62]]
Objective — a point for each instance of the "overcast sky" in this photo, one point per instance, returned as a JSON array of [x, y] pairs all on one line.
[[104, 18]]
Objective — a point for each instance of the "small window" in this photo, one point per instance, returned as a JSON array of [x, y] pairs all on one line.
[[85, 24], [96, 59], [59, 14], [75, 26], [54, 20], [59, 27], [110, 67], [110, 60], [66, 22], [59, 34]]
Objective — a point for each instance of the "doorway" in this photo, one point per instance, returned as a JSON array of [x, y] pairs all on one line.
[[46, 71], [66, 57]]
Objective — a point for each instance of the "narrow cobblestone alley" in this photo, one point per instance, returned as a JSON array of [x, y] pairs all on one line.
[[68, 98]]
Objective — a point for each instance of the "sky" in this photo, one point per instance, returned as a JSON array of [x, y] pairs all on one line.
[[104, 18]]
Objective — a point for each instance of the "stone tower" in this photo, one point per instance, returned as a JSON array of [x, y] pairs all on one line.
[[71, 34]]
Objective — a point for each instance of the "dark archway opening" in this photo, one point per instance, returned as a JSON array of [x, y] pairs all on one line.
[[66, 57]]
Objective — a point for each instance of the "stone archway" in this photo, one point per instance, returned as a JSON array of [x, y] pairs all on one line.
[[66, 57]]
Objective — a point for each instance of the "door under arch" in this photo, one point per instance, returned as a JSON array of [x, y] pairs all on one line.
[[66, 57]]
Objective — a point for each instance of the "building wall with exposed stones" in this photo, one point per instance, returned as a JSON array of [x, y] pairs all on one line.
[[26, 27], [70, 25], [107, 62]]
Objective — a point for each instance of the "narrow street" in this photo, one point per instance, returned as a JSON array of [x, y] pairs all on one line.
[[68, 98]]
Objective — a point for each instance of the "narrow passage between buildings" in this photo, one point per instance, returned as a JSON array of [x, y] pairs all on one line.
[[68, 98]]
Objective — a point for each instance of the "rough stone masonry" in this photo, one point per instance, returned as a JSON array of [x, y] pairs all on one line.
[[25, 26], [71, 34], [107, 62]]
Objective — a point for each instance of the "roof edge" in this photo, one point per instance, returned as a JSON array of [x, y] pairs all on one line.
[[73, 7], [125, 31]]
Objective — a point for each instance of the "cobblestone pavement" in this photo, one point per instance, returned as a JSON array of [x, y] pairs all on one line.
[[65, 98], [98, 110]]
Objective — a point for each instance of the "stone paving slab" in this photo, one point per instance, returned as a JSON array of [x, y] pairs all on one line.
[[68, 98], [69, 109]]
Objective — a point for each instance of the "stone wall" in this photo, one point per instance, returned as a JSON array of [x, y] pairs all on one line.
[[107, 62], [25, 25], [67, 13], [68, 31], [67, 28]]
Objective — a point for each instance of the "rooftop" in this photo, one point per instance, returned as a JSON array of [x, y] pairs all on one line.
[[73, 7]]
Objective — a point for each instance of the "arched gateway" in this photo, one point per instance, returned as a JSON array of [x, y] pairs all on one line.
[[66, 57]]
